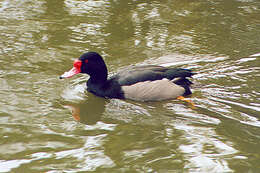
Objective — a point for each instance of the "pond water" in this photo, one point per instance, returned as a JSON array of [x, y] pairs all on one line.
[[51, 125]]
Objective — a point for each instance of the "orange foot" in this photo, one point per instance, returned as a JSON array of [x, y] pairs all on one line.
[[186, 100]]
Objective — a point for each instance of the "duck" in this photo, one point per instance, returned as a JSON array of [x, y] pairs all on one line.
[[138, 83]]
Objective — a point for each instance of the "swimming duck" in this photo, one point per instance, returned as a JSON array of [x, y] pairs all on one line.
[[140, 83]]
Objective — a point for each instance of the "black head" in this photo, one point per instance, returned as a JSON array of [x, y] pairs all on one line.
[[90, 63]]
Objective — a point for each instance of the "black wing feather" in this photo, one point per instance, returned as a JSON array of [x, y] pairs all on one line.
[[149, 73]]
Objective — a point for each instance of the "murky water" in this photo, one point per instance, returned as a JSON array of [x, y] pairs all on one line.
[[52, 125]]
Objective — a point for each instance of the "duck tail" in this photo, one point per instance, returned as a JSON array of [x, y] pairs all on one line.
[[185, 83]]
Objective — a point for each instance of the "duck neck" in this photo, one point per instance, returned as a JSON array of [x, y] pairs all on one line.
[[100, 77], [98, 80]]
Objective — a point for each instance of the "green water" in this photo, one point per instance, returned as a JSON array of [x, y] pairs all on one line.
[[51, 125]]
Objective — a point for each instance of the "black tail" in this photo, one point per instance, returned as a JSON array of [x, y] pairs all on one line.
[[178, 76], [185, 83]]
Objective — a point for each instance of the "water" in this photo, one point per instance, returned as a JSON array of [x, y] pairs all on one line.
[[52, 125]]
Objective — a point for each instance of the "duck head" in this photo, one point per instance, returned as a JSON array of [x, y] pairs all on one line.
[[90, 63]]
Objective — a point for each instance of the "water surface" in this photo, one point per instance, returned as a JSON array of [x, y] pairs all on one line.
[[52, 125]]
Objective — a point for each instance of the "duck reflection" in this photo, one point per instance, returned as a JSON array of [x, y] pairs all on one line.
[[89, 111]]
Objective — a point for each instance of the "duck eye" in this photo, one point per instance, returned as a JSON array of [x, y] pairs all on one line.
[[77, 64]]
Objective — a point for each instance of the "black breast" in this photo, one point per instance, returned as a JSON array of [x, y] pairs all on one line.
[[109, 89]]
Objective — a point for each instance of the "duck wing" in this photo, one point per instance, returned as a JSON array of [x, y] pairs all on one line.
[[149, 73]]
